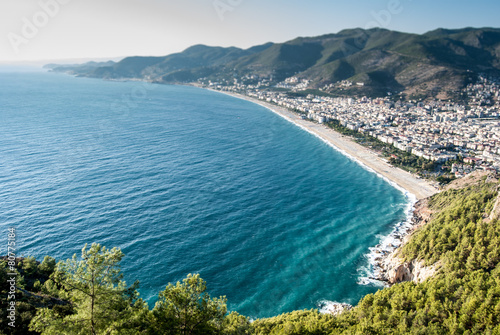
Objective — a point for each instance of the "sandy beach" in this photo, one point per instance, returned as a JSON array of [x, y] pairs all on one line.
[[418, 187]]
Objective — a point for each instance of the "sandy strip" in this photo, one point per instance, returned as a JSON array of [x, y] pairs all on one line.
[[405, 180]]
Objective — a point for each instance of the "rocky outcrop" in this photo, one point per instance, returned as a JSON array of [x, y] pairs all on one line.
[[335, 308], [421, 215], [495, 212], [391, 269], [399, 271], [396, 270]]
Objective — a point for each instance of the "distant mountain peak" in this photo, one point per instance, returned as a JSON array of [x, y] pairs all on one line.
[[431, 64]]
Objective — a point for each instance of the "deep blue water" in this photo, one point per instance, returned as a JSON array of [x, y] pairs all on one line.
[[186, 180]]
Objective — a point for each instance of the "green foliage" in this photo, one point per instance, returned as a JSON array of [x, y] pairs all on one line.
[[443, 305], [93, 284], [186, 308], [296, 323], [88, 296], [445, 179], [28, 279], [29, 265], [464, 298], [236, 324], [48, 265], [458, 231], [410, 162], [404, 160]]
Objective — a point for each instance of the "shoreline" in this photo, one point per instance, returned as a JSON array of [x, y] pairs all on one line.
[[414, 190], [403, 180]]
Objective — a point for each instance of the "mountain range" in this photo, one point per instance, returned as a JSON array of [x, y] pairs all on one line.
[[435, 64]]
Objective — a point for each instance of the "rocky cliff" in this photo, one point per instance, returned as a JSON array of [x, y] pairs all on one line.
[[399, 271], [393, 269]]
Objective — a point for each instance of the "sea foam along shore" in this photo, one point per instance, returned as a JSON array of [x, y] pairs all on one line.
[[374, 273], [413, 188]]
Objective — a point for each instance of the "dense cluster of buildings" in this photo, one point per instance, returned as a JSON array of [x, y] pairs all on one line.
[[437, 131]]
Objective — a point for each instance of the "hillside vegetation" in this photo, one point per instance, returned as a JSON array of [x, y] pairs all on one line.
[[86, 295], [438, 63]]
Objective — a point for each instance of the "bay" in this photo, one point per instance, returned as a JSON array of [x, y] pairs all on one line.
[[186, 180]]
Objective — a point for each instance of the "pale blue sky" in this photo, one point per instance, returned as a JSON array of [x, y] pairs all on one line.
[[62, 29]]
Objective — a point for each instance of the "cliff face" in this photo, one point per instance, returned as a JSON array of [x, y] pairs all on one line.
[[396, 270], [495, 212], [399, 271]]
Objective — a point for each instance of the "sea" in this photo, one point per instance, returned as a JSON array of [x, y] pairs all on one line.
[[186, 180]]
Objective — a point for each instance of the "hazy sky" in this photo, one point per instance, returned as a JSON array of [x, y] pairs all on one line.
[[62, 29]]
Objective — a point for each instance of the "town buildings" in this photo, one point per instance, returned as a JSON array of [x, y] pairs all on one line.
[[435, 130]]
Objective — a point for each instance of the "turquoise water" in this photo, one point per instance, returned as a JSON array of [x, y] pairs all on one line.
[[186, 180]]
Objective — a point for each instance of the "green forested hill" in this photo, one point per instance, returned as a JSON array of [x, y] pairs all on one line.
[[462, 298], [431, 64]]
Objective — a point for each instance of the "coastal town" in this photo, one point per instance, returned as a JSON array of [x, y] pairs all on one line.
[[465, 134]]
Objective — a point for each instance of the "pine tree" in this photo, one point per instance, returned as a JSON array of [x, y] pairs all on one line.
[[186, 308], [94, 286]]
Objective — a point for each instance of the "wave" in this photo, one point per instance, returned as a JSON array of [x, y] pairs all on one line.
[[371, 273]]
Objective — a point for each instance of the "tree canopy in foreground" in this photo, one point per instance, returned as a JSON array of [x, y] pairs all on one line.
[[87, 294]]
